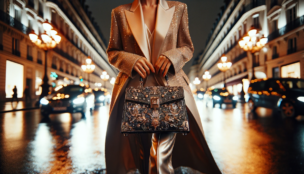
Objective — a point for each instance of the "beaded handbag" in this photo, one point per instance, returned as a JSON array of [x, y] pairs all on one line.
[[154, 109]]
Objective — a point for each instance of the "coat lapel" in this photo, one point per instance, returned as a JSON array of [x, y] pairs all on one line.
[[163, 21], [136, 22]]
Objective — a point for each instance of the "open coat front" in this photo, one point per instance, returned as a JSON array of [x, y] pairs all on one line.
[[127, 44]]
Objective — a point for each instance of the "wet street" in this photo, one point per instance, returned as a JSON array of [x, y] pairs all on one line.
[[241, 142]]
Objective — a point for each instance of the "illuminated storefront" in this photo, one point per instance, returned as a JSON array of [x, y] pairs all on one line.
[[14, 77], [291, 70]]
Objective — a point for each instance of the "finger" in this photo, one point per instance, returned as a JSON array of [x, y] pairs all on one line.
[[150, 66], [139, 72], [144, 65], [163, 67], [143, 71], [167, 68], [158, 64]]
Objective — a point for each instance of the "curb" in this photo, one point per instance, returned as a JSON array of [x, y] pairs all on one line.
[[24, 109]]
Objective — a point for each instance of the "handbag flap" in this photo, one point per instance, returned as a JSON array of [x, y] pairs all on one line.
[[164, 94]]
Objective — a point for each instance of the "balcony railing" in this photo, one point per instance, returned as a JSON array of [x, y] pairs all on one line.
[[60, 69], [244, 10], [67, 56], [6, 18], [274, 56], [287, 28], [67, 72], [28, 57], [16, 53], [239, 57]]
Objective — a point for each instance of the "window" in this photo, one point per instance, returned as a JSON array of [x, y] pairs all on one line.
[[53, 17], [291, 14], [17, 14], [29, 53], [291, 70], [54, 62], [275, 72], [30, 24], [1, 38], [31, 3], [274, 52], [273, 3], [40, 12], [15, 47], [292, 45], [39, 57], [240, 33], [274, 25], [256, 60], [256, 23], [245, 27]]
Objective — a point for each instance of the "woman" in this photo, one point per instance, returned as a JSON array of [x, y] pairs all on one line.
[[150, 38]]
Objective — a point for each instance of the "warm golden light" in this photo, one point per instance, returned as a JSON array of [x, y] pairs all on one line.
[[104, 75], [45, 37], [47, 26], [224, 64], [196, 81], [207, 75], [57, 38], [33, 36]]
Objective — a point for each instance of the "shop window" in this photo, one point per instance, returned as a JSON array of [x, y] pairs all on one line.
[[292, 45], [274, 52], [29, 53], [291, 70], [15, 47], [291, 14], [14, 77]]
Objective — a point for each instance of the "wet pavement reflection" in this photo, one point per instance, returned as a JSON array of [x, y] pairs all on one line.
[[241, 142]]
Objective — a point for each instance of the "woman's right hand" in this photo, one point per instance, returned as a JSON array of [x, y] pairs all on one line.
[[143, 67]]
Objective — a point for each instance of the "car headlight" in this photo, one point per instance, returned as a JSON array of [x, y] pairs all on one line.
[[216, 98], [101, 98], [78, 100], [235, 97], [44, 101], [200, 96], [301, 98]]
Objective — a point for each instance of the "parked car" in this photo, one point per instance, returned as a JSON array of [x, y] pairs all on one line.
[[285, 94], [222, 96], [71, 98], [100, 98]]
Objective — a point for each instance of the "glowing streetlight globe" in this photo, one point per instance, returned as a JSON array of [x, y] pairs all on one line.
[[196, 81]]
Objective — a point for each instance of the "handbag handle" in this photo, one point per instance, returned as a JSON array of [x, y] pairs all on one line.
[[142, 81]]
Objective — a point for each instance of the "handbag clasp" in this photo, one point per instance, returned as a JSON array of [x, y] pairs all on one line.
[[154, 102]]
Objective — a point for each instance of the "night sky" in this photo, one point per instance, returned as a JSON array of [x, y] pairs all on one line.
[[202, 15]]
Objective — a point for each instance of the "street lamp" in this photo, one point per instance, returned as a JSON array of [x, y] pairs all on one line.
[[206, 78], [252, 42], [46, 41], [104, 76], [224, 65], [89, 67]]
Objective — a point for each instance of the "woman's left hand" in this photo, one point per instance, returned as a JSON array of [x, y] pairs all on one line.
[[162, 65]]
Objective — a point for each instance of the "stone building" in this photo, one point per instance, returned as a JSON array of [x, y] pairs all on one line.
[[281, 21], [22, 63]]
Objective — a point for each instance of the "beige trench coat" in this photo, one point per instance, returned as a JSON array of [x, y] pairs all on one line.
[[127, 44]]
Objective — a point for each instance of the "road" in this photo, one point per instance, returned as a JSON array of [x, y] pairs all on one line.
[[241, 142]]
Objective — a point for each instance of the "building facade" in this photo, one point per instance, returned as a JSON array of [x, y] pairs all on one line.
[[281, 21], [22, 63]]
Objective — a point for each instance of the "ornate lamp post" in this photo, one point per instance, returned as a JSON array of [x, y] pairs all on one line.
[[206, 78], [224, 65], [46, 41], [89, 68], [104, 76], [253, 42]]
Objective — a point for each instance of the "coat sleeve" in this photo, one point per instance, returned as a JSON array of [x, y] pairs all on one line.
[[184, 50], [120, 59]]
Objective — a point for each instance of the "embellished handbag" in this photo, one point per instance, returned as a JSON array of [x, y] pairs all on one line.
[[154, 109]]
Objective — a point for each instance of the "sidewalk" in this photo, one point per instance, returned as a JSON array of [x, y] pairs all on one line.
[[22, 105]]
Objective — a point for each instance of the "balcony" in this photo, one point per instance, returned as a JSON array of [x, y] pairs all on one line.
[[16, 53], [28, 57], [6, 18], [274, 56], [240, 57], [287, 28], [39, 61]]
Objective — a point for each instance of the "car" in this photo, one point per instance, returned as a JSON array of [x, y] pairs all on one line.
[[100, 97], [283, 94], [222, 96], [68, 98]]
